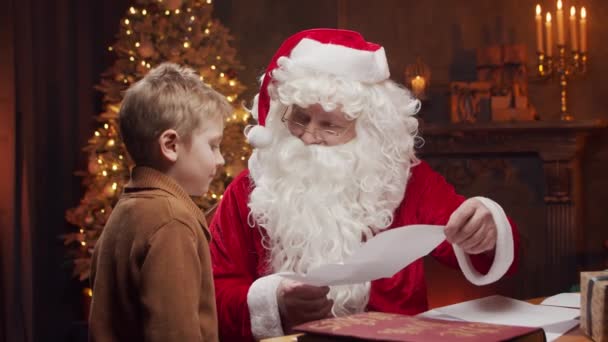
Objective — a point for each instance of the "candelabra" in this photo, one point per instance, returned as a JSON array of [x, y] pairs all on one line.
[[562, 69]]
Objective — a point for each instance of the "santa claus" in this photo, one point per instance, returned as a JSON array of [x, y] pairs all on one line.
[[334, 164]]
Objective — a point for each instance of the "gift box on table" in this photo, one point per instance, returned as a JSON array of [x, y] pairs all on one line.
[[594, 305]]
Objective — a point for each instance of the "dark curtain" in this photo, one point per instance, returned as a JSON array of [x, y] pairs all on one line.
[[60, 50]]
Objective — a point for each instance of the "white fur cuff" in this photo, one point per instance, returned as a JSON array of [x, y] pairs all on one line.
[[503, 256], [263, 307]]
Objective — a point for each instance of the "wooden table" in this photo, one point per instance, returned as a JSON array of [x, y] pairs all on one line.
[[574, 335]]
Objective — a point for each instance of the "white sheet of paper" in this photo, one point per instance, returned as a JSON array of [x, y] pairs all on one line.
[[552, 331], [568, 300], [381, 257], [504, 310]]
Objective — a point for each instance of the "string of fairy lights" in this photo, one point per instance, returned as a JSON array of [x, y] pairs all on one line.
[[152, 32]]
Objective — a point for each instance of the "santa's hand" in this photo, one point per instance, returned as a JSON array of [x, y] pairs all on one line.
[[299, 303], [472, 228]]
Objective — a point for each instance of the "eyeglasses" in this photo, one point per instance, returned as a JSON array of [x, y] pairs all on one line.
[[298, 128]]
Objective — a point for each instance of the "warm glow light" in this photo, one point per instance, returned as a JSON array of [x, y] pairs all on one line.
[[132, 10], [538, 10], [548, 17], [137, 44], [114, 186], [222, 74], [218, 57], [128, 32], [207, 31], [209, 1], [120, 156], [167, 12], [132, 59], [110, 48], [104, 173], [106, 126], [232, 83], [96, 133], [99, 161], [114, 167], [87, 291], [126, 21], [213, 67], [583, 13], [186, 45], [111, 142], [192, 18], [83, 243], [81, 231], [177, 11], [559, 4], [573, 11], [144, 12]]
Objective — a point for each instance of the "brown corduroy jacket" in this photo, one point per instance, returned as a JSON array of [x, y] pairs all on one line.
[[151, 270]]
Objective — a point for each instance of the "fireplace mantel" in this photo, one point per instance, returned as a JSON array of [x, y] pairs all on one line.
[[551, 140], [559, 145]]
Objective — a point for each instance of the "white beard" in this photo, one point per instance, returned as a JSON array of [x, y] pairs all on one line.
[[317, 204]]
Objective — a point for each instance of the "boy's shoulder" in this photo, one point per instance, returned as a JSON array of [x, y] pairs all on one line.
[[152, 209]]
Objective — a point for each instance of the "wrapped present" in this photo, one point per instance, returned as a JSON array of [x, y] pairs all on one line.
[[505, 68], [470, 101], [594, 305], [511, 108]]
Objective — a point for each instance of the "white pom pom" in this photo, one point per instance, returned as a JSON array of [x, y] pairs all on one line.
[[258, 136]]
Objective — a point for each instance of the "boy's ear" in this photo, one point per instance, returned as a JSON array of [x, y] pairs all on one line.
[[168, 145]]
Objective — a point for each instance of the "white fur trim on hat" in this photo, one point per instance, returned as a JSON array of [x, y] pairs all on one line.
[[258, 136], [358, 65]]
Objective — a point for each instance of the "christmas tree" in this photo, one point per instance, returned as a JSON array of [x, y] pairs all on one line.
[[152, 32]]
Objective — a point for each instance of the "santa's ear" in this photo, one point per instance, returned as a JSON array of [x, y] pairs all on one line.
[[168, 145]]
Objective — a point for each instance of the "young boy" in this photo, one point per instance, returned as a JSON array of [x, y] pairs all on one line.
[[151, 270]]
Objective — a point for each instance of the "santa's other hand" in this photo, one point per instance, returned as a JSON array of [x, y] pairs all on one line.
[[300, 303], [472, 228]]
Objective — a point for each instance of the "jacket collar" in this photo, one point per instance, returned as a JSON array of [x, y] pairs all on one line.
[[143, 177]]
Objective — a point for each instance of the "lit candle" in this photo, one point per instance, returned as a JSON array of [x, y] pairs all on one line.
[[583, 30], [559, 17], [418, 84], [539, 30], [573, 36], [549, 36]]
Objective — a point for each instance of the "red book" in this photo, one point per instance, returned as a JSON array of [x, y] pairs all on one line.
[[377, 326]]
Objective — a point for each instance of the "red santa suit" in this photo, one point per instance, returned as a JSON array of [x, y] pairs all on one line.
[[239, 259]]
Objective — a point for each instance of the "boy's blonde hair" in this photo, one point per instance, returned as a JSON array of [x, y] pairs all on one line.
[[168, 97]]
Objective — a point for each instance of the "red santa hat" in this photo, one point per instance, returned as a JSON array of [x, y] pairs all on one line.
[[339, 52]]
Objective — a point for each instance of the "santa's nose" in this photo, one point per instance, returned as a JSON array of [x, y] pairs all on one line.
[[309, 138]]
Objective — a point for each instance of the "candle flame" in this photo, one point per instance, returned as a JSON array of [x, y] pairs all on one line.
[[583, 13], [538, 9], [548, 17], [573, 11], [559, 4]]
